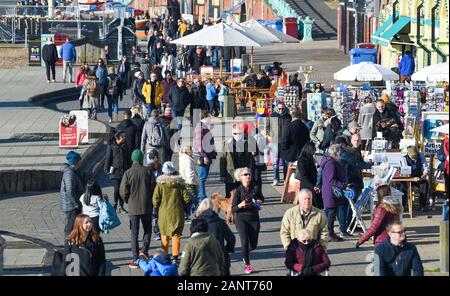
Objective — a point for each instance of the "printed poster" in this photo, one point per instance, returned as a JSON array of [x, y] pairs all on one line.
[[68, 131], [82, 119]]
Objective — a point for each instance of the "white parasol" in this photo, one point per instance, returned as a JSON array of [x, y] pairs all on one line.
[[433, 73], [366, 71]]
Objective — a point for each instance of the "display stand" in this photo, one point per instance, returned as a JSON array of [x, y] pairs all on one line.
[[343, 104], [289, 95], [315, 101]]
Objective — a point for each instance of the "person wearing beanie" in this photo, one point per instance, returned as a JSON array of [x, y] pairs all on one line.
[[71, 190], [136, 190], [171, 208], [203, 255], [419, 170]]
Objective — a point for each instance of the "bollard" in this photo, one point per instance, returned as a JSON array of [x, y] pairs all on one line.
[[443, 242], [2, 247], [307, 29]]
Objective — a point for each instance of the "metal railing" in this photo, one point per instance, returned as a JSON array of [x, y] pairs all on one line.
[[18, 22]]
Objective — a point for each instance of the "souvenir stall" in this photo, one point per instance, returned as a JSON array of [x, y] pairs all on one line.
[[289, 95]]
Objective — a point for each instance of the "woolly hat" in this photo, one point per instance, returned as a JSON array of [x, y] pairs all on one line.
[[73, 157], [168, 168], [137, 156]]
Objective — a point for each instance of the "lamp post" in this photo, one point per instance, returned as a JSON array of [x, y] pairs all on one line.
[[306, 70]]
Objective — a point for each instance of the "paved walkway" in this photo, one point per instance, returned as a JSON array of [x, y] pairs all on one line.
[[23, 126]]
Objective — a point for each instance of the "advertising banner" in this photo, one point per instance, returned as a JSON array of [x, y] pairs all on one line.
[[68, 131], [82, 119]]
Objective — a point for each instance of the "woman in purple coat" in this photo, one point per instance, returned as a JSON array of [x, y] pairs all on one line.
[[333, 176]]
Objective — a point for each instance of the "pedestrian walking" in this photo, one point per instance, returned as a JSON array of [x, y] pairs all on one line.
[[179, 98], [190, 176], [170, 126], [279, 120], [295, 136], [136, 190], [395, 256], [202, 255], [167, 63], [211, 93], [204, 151], [219, 229], [154, 163], [170, 199], [387, 211], [69, 55], [223, 92], [90, 95], [124, 72], [132, 139], [236, 153], [138, 121], [304, 216], [153, 93], [87, 244], [365, 121], [114, 92], [182, 63], [90, 201], [50, 57], [167, 84], [406, 67], [117, 161], [331, 132], [306, 173], [101, 72], [137, 98], [246, 205], [318, 130], [79, 80], [154, 136], [71, 190], [333, 178]]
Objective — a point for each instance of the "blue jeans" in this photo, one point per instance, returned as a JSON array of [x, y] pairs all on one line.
[[203, 171], [342, 218], [147, 108], [228, 65], [113, 102], [190, 210], [211, 106], [179, 116], [217, 54], [221, 107]]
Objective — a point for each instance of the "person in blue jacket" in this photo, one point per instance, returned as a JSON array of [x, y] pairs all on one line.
[[395, 256], [69, 55], [406, 67], [211, 92], [159, 265]]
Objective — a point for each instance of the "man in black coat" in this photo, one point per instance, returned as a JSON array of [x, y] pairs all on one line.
[[386, 121], [131, 132], [50, 57], [279, 121], [179, 99], [198, 60], [295, 136], [124, 72]]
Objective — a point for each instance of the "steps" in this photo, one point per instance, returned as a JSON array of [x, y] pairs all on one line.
[[325, 18]]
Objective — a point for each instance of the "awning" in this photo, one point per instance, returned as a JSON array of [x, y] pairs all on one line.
[[393, 30], [381, 29]]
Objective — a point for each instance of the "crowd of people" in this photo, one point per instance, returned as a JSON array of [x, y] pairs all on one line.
[[152, 192]]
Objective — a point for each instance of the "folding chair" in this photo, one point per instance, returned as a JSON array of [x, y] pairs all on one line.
[[358, 208]]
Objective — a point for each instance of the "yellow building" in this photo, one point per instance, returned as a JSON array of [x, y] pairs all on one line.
[[421, 26]]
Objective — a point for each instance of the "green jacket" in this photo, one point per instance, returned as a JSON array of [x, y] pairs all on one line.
[[170, 198], [227, 165], [202, 256]]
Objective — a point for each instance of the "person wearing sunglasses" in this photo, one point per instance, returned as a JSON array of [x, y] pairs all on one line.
[[236, 154], [246, 205], [306, 256], [395, 256]]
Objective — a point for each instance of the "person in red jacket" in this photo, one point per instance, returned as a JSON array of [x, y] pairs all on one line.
[[305, 256], [387, 211], [81, 77]]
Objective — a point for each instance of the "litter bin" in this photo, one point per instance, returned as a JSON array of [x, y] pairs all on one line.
[[291, 26], [229, 106]]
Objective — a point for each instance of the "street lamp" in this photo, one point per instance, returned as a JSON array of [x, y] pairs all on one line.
[[306, 70]]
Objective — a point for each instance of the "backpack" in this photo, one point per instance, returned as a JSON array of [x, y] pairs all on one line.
[[108, 218], [156, 136], [91, 87], [112, 86]]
